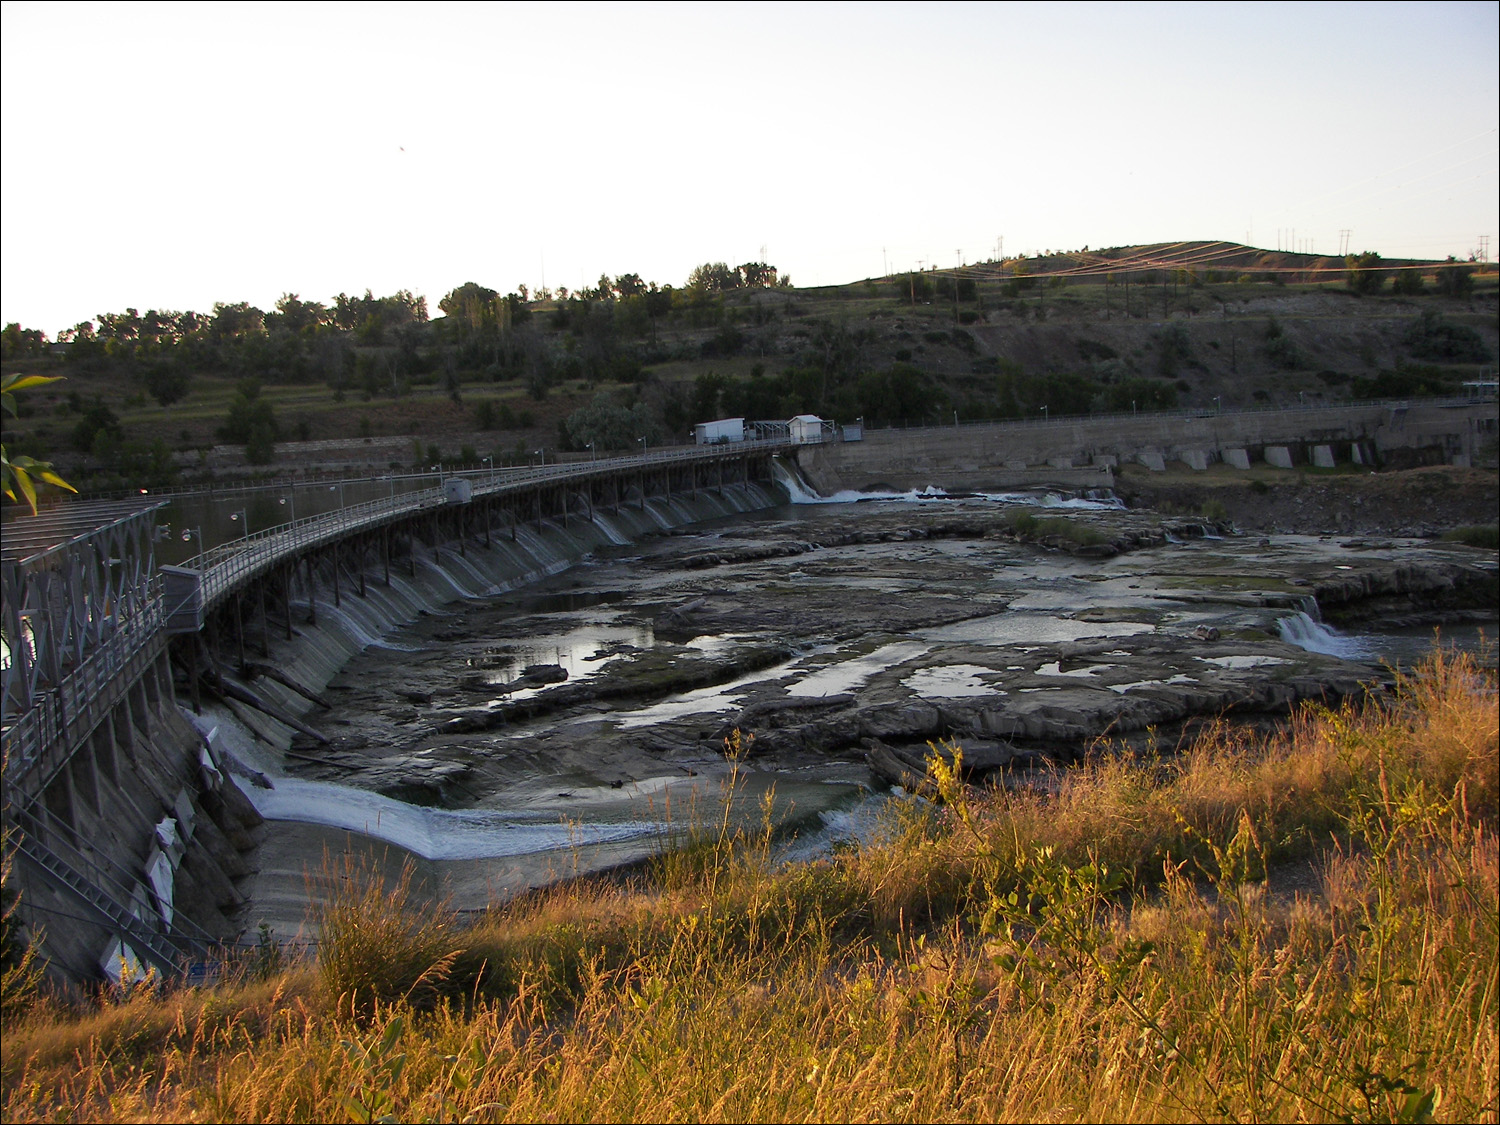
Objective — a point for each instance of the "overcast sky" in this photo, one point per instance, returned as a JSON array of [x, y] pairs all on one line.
[[168, 156]]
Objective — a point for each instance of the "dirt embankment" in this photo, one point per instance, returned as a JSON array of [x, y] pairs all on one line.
[[1417, 502]]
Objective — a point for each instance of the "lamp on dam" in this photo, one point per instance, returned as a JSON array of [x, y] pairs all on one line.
[[241, 517], [490, 463]]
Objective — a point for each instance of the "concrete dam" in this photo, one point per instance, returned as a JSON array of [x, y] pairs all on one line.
[[132, 821]]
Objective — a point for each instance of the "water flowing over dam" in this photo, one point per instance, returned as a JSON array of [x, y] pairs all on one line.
[[539, 682]]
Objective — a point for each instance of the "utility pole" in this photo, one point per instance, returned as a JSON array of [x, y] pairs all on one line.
[[1344, 242], [1484, 248], [958, 261]]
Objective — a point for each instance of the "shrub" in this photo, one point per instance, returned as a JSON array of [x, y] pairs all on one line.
[[1431, 337], [377, 946], [1485, 535]]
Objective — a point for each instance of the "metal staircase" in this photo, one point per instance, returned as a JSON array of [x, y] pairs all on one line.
[[105, 895]]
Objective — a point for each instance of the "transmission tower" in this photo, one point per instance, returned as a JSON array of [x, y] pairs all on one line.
[[1484, 248], [1344, 243]]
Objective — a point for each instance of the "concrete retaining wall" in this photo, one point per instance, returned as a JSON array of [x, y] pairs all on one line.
[[971, 455]]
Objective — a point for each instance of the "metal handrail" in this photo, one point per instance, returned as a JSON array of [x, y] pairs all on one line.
[[226, 565], [111, 879], [88, 689]]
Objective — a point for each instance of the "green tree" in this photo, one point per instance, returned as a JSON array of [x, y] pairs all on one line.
[[167, 383], [1408, 282], [1455, 280], [251, 422], [607, 425], [714, 277], [22, 343], [1364, 273], [471, 306]]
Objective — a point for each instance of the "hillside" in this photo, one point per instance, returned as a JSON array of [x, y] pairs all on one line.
[[372, 383]]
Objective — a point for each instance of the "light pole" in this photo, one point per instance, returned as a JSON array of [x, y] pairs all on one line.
[[191, 533], [1218, 406], [542, 453], [490, 461], [643, 445], [241, 516], [291, 500], [339, 488], [1045, 416], [590, 448]]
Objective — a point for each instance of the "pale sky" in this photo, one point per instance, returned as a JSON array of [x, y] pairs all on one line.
[[168, 156]]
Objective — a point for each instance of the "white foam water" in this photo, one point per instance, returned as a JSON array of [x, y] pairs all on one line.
[[1301, 630], [432, 833]]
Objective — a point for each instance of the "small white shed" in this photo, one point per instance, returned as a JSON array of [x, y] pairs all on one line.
[[724, 429], [806, 429]]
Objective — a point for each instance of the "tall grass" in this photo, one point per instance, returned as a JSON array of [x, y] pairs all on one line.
[[1296, 927]]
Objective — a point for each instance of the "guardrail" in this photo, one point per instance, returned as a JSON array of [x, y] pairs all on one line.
[[51, 728], [47, 734], [227, 565]]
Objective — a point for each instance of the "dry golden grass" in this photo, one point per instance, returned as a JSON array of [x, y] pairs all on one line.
[[1303, 928]]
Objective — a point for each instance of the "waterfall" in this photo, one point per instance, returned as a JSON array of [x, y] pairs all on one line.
[[358, 632], [1302, 630]]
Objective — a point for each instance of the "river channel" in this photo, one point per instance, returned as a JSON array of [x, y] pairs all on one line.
[[506, 740]]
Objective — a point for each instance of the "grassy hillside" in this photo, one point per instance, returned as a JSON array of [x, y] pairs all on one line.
[[1130, 328], [1301, 927]]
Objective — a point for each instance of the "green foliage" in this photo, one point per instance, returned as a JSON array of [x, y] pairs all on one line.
[[22, 343], [608, 425], [1455, 280], [901, 393], [251, 422], [1408, 380], [1057, 529], [1279, 348], [96, 421], [22, 475], [1173, 348], [1408, 283], [1432, 337], [1022, 395], [1092, 351], [1364, 273], [167, 383], [1475, 535]]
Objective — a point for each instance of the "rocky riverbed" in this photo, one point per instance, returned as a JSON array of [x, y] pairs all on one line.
[[502, 742], [829, 630]]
